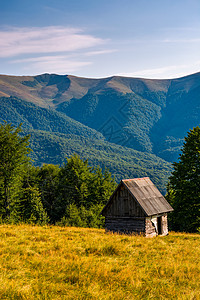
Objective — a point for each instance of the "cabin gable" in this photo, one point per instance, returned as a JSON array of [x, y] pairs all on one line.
[[123, 204]]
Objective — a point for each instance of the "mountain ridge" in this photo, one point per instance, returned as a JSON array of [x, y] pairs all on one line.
[[147, 115], [77, 86], [142, 107]]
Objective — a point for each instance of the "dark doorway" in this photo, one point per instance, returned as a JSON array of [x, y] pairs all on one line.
[[159, 222]]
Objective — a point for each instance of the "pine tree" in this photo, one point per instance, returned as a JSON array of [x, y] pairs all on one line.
[[184, 185]]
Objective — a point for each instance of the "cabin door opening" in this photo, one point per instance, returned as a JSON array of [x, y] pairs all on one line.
[[159, 224]]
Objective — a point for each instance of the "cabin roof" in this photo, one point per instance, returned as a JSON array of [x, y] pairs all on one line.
[[146, 194]]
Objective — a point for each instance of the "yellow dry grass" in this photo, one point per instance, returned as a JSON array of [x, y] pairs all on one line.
[[78, 263]]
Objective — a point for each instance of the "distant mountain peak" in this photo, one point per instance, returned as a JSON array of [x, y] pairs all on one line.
[[144, 114]]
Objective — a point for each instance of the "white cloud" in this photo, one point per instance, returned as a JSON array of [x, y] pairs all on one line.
[[149, 72], [40, 59], [189, 40], [17, 41], [175, 71], [100, 52], [52, 64]]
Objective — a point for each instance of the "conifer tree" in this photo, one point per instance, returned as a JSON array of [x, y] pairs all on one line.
[[184, 185]]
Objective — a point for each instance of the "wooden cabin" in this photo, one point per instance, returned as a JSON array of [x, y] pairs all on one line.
[[137, 206]]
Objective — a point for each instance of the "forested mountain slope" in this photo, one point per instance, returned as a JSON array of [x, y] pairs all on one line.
[[16, 111], [122, 162], [105, 119], [143, 114], [54, 136]]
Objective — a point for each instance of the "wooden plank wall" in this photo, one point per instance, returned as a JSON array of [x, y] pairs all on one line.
[[125, 224], [124, 205]]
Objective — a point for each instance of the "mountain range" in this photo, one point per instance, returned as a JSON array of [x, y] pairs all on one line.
[[133, 126]]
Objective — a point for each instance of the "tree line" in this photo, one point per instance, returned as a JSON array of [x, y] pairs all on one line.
[[73, 194]]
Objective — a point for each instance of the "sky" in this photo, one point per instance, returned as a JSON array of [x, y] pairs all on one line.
[[100, 38]]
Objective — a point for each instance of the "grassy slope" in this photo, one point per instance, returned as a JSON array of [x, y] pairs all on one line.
[[12, 86], [51, 89], [76, 263]]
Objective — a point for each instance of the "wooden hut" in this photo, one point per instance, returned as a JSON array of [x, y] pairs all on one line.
[[137, 206]]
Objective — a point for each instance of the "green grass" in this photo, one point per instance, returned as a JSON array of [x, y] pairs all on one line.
[[78, 263]]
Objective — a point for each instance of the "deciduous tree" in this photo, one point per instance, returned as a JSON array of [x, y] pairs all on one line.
[[13, 159]]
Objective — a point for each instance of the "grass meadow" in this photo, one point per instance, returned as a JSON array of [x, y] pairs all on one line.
[[81, 263]]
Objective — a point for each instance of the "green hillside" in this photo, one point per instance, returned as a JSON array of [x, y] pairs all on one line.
[[54, 136], [16, 111], [122, 162], [122, 119], [148, 115], [181, 113], [123, 123]]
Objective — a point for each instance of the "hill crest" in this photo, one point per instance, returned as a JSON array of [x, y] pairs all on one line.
[[147, 115]]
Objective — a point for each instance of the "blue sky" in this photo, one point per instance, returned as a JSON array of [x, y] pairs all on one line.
[[92, 38]]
